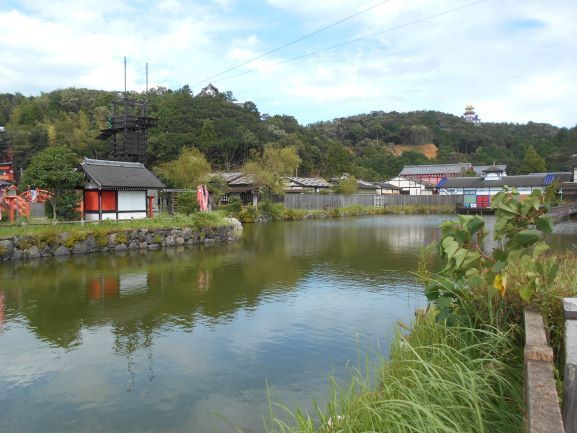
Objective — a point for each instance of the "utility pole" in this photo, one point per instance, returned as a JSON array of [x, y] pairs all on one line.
[[125, 113]]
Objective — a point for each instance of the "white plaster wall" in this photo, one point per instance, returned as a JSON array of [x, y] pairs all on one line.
[[131, 215], [131, 200]]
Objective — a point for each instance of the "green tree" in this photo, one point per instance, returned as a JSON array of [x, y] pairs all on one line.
[[56, 170], [217, 187], [274, 164], [348, 186], [533, 162], [208, 134], [187, 171]]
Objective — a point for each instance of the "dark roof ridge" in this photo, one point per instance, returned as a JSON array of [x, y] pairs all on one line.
[[109, 163]]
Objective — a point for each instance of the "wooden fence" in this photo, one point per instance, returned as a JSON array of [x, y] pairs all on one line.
[[334, 201], [570, 371]]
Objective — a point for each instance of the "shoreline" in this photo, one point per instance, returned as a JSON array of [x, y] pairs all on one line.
[[268, 212], [115, 239]]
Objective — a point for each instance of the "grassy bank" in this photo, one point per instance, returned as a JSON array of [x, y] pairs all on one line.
[[438, 379], [197, 220], [278, 212], [461, 367]]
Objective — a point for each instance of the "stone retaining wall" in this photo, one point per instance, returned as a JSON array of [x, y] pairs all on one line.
[[63, 244]]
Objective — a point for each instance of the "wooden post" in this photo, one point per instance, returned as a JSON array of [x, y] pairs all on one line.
[[150, 205], [570, 372]]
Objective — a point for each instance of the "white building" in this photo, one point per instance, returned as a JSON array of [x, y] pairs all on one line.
[[118, 190], [411, 186], [478, 192]]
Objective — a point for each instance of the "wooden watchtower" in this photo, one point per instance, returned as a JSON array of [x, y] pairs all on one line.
[[127, 127]]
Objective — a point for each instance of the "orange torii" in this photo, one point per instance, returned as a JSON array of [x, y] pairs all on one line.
[[11, 201]]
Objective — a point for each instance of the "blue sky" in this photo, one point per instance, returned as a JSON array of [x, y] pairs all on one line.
[[515, 60]]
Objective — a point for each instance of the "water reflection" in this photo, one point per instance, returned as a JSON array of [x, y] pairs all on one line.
[[161, 340]]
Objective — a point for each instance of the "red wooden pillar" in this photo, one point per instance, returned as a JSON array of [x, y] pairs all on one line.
[[150, 205]]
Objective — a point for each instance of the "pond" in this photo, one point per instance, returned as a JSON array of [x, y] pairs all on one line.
[[199, 339]]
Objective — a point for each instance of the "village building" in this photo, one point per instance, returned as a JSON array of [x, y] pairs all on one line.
[[411, 186], [497, 168], [119, 190], [363, 187], [478, 191], [367, 187], [387, 188], [241, 186], [306, 184], [209, 90], [569, 189], [433, 173]]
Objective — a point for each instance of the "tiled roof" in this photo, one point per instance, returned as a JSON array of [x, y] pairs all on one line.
[[228, 176], [479, 169], [245, 179], [540, 179], [366, 185], [411, 170], [387, 185], [310, 182], [120, 175]]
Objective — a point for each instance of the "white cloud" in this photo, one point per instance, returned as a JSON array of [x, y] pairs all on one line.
[[512, 58]]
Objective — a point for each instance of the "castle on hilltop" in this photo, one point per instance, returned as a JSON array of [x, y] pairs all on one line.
[[470, 116]]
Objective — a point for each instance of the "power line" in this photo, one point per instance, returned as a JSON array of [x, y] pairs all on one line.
[[352, 41], [288, 44]]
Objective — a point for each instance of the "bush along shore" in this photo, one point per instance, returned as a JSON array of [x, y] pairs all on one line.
[[268, 211], [33, 242], [461, 366]]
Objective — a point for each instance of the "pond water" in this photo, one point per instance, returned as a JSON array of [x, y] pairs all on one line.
[[198, 339]]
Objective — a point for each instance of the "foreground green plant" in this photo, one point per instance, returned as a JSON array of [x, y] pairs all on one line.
[[520, 229]]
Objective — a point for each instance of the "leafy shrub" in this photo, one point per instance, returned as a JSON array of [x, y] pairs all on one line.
[[520, 229], [74, 238], [187, 203], [234, 205], [66, 206], [101, 238], [122, 238], [294, 214], [274, 210], [347, 186], [248, 214]]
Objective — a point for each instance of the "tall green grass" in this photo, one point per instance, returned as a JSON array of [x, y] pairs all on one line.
[[278, 212], [437, 379]]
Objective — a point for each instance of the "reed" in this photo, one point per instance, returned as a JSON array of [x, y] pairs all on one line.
[[437, 379], [278, 212]]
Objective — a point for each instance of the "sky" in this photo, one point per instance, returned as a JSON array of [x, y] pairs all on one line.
[[514, 60]]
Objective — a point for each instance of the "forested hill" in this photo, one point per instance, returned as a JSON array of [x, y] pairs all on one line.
[[371, 146]]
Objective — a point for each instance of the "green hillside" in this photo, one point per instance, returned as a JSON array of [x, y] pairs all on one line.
[[228, 133]]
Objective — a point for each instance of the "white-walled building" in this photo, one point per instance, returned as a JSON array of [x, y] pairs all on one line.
[[411, 186], [118, 190], [478, 191]]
